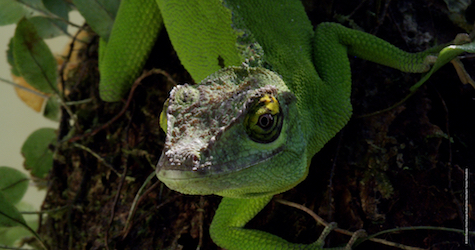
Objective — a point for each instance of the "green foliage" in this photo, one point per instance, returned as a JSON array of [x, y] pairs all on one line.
[[56, 25], [13, 225], [38, 156], [8, 235], [28, 55], [33, 58], [100, 15], [47, 27], [13, 184], [30, 58], [11, 12], [9, 215], [52, 109], [446, 55], [11, 59]]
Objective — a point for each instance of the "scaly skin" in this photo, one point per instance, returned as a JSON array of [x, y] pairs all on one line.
[[198, 52], [122, 58], [298, 78]]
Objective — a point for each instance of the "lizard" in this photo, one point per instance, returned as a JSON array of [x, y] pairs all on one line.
[[273, 90]]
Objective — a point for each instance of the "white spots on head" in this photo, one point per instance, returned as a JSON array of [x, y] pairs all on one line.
[[199, 115]]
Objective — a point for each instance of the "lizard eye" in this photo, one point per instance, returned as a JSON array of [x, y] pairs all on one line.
[[264, 120]]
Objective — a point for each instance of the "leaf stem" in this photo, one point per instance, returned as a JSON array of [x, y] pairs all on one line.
[[24, 88], [47, 13], [16, 248]]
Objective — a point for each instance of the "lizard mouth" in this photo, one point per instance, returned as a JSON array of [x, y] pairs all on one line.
[[191, 168], [192, 177]]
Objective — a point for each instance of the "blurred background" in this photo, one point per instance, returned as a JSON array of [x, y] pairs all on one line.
[[18, 121]]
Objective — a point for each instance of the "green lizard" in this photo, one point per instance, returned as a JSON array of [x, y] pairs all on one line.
[[273, 91]]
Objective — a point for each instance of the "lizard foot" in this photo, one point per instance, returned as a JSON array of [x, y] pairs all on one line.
[[325, 232], [358, 234]]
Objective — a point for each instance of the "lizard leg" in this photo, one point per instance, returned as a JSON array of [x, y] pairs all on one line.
[[122, 58], [227, 229], [365, 46]]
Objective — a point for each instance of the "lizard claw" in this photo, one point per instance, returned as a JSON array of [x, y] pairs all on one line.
[[330, 227], [325, 232], [358, 234], [461, 38]]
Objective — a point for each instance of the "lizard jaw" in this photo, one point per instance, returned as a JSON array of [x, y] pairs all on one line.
[[191, 177]]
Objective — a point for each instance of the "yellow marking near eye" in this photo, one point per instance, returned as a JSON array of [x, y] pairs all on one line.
[[271, 106], [270, 103]]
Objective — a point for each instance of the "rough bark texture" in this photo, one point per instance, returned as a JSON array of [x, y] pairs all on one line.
[[401, 168]]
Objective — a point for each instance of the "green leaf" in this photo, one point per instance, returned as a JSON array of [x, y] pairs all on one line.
[[38, 156], [99, 14], [58, 7], [11, 59], [48, 27], [11, 12], [52, 109], [35, 6], [9, 215], [33, 58], [13, 184], [8, 236]]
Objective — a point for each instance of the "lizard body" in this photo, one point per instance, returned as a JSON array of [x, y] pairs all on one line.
[[247, 132]]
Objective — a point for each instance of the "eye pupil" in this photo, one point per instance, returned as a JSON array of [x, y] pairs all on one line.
[[266, 121]]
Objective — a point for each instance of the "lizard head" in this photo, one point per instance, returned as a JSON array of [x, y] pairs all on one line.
[[236, 134]]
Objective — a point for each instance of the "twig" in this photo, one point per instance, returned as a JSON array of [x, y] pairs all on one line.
[[129, 100], [372, 237], [67, 58], [305, 209], [48, 14], [15, 183], [136, 202], [450, 167], [356, 9], [46, 211], [16, 248], [382, 17], [332, 174], [71, 103], [25, 88], [61, 74], [201, 218], [98, 157], [114, 204], [386, 109]]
